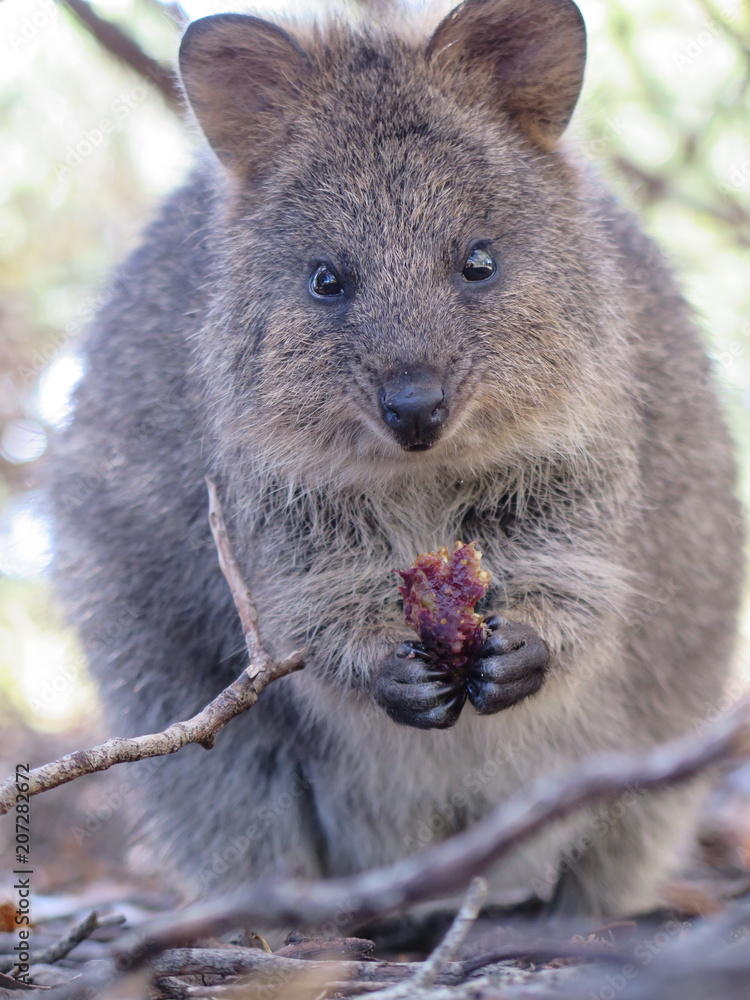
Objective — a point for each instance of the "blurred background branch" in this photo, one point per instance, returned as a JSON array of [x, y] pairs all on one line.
[[123, 47]]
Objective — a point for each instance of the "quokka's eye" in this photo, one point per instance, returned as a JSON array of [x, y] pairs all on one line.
[[479, 265], [325, 282]]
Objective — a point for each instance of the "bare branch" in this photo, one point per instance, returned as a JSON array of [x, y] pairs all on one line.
[[227, 561], [234, 961], [247, 988], [111, 37], [447, 867], [201, 728], [75, 935]]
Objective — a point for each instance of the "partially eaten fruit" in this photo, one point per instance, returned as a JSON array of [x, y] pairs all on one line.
[[440, 591]]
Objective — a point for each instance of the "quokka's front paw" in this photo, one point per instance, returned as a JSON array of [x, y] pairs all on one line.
[[510, 666], [414, 692]]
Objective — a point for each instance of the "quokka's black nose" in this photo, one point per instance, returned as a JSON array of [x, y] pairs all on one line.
[[414, 407]]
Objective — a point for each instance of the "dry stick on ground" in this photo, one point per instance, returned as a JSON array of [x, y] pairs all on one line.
[[242, 990], [203, 727], [63, 947], [237, 961], [448, 948], [447, 867], [409, 975], [439, 870], [437, 965], [436, 871]]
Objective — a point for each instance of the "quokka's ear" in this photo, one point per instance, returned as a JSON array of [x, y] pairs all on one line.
[[534, 50], [242, 77]]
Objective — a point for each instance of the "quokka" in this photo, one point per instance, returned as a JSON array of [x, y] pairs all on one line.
[[387, 311]]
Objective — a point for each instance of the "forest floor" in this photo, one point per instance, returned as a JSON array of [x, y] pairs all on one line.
[[698, 945]]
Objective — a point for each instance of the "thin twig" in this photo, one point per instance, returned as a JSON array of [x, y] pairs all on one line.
[[243, 599], [201, 728], [436, 964], [545, 951], [80, 932], [447, 950], [74, 937], [8, 984], [242, 989], [67, 943]]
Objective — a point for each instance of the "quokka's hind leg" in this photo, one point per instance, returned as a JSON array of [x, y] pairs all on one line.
[[619, 863]]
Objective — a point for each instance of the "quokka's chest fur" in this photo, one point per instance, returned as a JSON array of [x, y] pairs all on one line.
[[333, 558]]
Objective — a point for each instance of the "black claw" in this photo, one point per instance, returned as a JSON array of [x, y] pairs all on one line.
[[414, 691], [510, 666], [448, 713], [489, 699], [448, 689], [412, 650]]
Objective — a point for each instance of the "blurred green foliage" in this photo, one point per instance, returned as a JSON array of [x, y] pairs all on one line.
[[666, 116], [88, 147]]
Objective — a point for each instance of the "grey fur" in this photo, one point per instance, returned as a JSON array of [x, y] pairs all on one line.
[[585, 452]]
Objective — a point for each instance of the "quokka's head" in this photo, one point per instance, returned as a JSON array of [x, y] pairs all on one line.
[[409, 273]]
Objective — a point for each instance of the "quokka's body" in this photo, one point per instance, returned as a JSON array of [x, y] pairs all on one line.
[[388, 312]]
